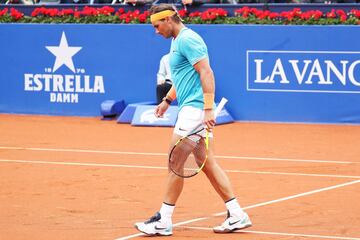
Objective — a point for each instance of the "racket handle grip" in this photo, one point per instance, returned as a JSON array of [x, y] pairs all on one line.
[[220, 106]]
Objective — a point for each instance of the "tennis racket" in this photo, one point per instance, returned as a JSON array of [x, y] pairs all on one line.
[[189, 154]]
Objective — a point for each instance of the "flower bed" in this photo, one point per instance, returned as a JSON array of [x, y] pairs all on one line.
[[244, 15]]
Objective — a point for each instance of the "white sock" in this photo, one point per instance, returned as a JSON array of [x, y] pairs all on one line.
[[166, 212], [234, 208]]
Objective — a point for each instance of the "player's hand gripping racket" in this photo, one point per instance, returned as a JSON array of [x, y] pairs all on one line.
[[189, 154]]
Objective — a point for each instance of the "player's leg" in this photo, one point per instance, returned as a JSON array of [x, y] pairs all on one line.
[[174, 184], [217, 176], [161, 223], [236, 219]]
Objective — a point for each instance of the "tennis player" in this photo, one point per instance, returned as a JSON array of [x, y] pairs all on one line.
[[194, 88]]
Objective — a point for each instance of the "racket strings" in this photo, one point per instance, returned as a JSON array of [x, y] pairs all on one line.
[[188, 156]]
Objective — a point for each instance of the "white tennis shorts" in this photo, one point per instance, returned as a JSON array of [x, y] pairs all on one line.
[[189, 119]]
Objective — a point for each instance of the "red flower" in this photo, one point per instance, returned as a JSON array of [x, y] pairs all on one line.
[[343, 18], [67, 12], [136, 13], [121, 10], [355, 12], [340, 12], [204, 16], [89, 11], [264, 14], [212, 14], [142, 18], [3, 12], [288, 15], [245, 11], [182, 13], [317, 14], [38, 11], [331, 14], [296, 12], [306, 15], [195, 14], [254, 11], [107, 10], [273, 15], [15, 14], [221, 12], [52, 12], [77, 14], [147, 13]]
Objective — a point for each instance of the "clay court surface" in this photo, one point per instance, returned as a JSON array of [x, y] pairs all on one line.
[[83, 178]]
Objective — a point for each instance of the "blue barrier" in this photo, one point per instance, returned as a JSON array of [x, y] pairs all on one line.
[[224, 117], [268, 73], [109, 109], [129, 111], [144, 116]]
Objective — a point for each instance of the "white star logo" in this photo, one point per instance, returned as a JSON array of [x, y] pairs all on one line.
[[63, 54]]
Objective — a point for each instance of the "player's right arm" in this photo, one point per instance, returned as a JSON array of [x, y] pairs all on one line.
[[164, 105]]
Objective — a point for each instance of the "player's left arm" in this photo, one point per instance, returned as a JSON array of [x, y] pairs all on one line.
[[208, 85]]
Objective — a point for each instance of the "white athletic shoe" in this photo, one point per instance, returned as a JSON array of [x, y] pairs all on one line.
[[232, 223], [154, 226]]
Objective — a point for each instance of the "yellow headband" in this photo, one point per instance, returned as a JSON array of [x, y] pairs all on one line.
[[161, 15]]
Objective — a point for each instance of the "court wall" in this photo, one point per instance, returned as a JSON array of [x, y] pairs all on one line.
[[268, 73]]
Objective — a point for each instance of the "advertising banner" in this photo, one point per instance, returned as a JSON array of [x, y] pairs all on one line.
[[268, 73]]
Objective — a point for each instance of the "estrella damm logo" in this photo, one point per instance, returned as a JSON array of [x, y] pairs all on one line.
[[64, 81]]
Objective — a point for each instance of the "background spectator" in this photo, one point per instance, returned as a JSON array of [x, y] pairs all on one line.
[[164, 81]]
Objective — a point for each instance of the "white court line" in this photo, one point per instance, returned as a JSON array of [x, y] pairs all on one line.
[[281, 234], [165, 154], [165, 168], [294, 174], [254, 206], [81, 164]]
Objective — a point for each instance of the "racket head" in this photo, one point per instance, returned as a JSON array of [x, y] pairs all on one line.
[[189, 155]]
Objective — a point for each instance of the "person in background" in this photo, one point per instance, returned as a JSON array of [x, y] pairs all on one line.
[[164, 82]]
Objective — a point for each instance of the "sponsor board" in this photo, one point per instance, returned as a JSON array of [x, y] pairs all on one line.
[[303, 71], [64, 82], [144, 115]]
